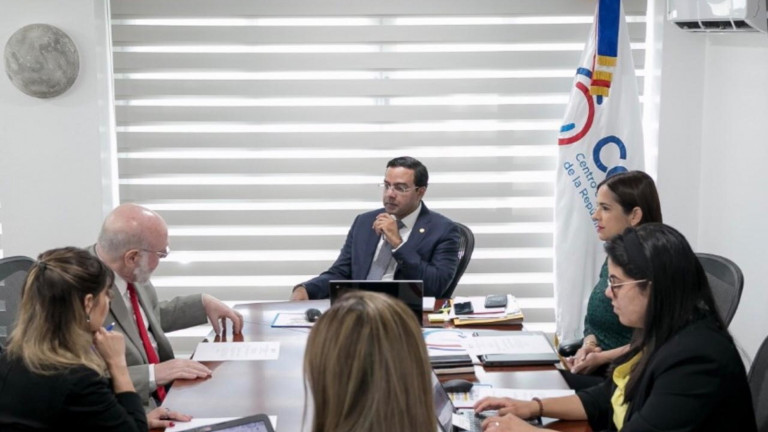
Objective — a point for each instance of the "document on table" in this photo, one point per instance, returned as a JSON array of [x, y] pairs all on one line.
[[291, 319], [445, 341], [515, 343], [468, 399], [220, 351], [204, 421]]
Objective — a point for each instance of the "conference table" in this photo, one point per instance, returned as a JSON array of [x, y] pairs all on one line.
[[276, 387]]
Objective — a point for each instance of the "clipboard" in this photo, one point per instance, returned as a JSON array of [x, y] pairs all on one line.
[[516, 348]]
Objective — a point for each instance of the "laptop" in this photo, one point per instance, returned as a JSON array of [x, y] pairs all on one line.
[[254, 423], [444, 410], [410, 292]]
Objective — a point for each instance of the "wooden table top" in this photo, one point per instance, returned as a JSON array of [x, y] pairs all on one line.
[[241, 388]]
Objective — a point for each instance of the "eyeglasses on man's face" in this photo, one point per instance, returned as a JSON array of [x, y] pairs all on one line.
[[160, 254], [617, 286], [399, 188]]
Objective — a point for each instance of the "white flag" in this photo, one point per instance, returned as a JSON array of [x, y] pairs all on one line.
[[601, 135]]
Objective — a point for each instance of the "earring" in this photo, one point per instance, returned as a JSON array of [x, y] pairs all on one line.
[[88, 318]]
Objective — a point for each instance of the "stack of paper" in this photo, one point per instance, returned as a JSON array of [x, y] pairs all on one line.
[[452, 364], [482, 315], [448, 353]]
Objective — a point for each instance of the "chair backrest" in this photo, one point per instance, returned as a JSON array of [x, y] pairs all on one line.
[[758, 385], [466, 246], [726, 281], [13, 274]]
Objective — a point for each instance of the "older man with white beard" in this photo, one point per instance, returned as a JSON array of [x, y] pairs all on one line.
[[132, 242]]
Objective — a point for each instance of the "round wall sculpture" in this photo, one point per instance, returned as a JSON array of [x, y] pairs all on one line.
[[41, 60]]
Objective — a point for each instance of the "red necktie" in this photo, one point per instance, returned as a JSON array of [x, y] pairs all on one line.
[[151, 354]]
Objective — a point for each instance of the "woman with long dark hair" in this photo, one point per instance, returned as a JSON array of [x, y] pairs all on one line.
[[681, 371], [624, 200]]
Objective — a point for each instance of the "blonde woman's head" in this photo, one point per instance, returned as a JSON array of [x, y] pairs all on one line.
[[367, 367], [53, 329]]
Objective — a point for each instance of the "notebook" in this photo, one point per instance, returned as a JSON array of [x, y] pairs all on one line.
[[254, 423], [410, 292]]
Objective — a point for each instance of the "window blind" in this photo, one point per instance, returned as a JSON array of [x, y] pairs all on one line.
[[259, 129]]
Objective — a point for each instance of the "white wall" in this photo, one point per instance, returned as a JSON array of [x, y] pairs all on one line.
[[712, 157], [54, 188], [680, 135], [734, 178]]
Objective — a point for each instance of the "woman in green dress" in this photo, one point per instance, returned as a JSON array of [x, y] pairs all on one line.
[[624, 200]]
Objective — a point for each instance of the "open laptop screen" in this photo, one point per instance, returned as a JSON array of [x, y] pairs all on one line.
[[410, 292], [443, 405]]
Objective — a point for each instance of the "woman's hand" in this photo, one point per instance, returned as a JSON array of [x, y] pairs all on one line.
[[522, 409], [164, 418], [508, 423], [587, 358], [111, 346], [590, 363]]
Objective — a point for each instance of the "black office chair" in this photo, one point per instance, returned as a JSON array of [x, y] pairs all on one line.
[[13, 274], [466, 246], [758, 385], [726, 281]]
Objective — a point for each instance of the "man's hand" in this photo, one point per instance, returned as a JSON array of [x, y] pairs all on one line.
[[170, 370], [386, 225], [299, 293], [218, 313]]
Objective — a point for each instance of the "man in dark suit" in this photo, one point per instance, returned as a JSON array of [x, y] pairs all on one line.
[[132, 241], [402, 241]]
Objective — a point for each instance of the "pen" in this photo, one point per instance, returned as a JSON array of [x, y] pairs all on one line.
[[110, 327]]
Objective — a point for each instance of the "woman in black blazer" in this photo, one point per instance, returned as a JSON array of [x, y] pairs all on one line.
[[682, 371], [54, 372]]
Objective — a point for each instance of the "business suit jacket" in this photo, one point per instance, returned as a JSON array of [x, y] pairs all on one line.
[[431, 254], [695, 382], [166, 316], [78, 397]]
